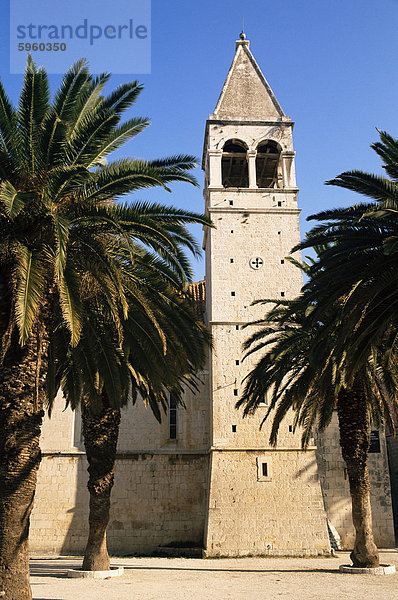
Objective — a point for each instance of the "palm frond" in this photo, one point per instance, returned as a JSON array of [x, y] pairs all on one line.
[[12, 200], [30, 287], [70, 302]]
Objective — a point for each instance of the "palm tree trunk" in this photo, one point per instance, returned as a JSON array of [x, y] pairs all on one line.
[[21, 413], [354, 424], [101, 431]]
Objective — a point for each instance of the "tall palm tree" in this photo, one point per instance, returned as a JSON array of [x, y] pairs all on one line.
[[298, 370], [58, 210], [163, 347]]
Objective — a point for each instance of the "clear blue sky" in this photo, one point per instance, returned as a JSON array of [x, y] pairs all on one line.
[[331, 63]]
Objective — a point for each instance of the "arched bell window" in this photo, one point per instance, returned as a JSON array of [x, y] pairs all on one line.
[[234, 167], [267, 164]]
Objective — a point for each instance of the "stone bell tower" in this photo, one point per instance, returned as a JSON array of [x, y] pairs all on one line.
[[261, 500]]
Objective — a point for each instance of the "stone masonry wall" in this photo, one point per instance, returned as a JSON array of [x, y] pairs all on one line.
[[335, 488], [392, 446], [160, 488], [277, 513], [157, 499]]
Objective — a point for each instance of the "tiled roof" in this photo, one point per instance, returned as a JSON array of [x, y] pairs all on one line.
[[196, 295]]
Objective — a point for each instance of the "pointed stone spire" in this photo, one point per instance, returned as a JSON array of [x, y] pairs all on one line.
[[246, 93]]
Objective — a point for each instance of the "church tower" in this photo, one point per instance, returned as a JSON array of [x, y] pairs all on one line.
[[261, 500]]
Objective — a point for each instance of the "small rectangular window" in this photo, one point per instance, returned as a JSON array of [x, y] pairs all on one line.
[[172, 417], [231, 260], [233, 428], [237, 327], [282, 294], [290, 428], [236, 392], [232, 293], [231, 202], [282, 261], [237, 362], [374, 441], [264, 471], [279, 232], [279, 203], [232, 230]]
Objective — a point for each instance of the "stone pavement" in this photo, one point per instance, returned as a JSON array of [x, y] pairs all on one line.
[[217, 579]]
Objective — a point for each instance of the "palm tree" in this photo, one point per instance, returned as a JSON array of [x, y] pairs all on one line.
[[58, 211], [163, 348], [298, 369], [360, 259]]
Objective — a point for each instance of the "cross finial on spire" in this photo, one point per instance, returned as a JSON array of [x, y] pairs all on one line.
[[242, 41], [242, 34]]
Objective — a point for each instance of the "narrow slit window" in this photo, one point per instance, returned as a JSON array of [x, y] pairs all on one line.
[[236, 392], [172, 417], [264, 470], [233, 428]]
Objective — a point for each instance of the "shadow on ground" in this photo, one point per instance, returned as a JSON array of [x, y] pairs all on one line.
[[61, 570], [52, 570]]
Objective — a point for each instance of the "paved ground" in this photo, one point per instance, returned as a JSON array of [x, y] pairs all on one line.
[[217, 579]]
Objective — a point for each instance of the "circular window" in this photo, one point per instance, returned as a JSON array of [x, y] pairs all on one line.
[[256, 263]]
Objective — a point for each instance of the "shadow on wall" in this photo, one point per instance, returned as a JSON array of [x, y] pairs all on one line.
[[76, 536], [392, 448], [157, 500], [336, 494]]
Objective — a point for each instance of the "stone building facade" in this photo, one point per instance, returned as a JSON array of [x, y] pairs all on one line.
[[206, 477]]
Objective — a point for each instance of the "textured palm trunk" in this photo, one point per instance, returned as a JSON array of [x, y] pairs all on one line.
[[101, 433], [354, 424], [21, 413]]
